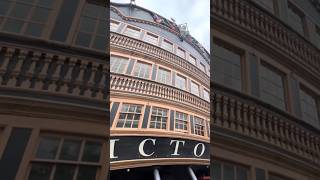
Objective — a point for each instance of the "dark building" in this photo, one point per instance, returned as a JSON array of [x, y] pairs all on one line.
[[266, 74], [53, 68], [159, 93]]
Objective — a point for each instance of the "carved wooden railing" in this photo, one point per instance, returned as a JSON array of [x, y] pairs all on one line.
[[258, 23], [133, 85], [121, 41], [247, 116], [38, 70], [138, 20]]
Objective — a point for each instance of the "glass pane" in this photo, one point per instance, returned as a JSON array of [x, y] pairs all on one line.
[[102, 28], [20, 10], [228, 172], [40, 172], [92, 151], [48, 148], [4, 6], [45, 3], [91, 10], [133, 32], [295, 20], [136, 117], [260, 174], [127, 124], [70, 150], [34, 29], [241, 173], [103, 12], [216, 171], [12, 25], [138, 110], [27, 1], [83, 39], [132, 108], [64, 172], [272, 87], [130, 116], [120, 124], [87, 24], [87, 173], [100, 43], [40, 15], [135, 124]]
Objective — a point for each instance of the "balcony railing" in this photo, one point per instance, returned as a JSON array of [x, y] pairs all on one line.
[[31, 69], [117, 40], [133, 85], [259, 24], [251, 118]]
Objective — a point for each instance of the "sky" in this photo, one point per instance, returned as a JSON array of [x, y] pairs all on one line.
[[196, 13]]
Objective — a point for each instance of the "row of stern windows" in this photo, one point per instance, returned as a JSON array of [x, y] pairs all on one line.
[[60, 157], [269, 83], [147, 70], [55, 20], [297, 19], [231, 171], [132, 115], [156, 40]]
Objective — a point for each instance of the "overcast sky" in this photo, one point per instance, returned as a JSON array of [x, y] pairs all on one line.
[[196, 13]]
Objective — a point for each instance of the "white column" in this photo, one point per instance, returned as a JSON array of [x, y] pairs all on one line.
[[156, 174], [193, 176]]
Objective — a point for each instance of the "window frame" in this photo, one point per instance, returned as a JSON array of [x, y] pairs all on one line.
[[275, 7], [134, 28], [115, 22], [93, 34], [202, 67], [185, 84], [205, 90], [167, 121], [191, 83], [47, 27], [147, 33], [193, 58], [124, 57], [284, 82], [119, 111], [187, 131], [242, 61], [313, 95], [168, 42], [170, 75], [301, 14], [76, 163], [179, 49], [234, 165], [142, 62], [195, 125]]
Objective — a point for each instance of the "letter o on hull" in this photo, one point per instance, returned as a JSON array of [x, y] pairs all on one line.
[[195, 150]]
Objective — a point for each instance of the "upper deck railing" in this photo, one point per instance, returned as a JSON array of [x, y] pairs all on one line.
[[255, 23]]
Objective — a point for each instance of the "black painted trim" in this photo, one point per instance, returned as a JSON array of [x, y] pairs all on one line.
[[13, 153], [254, 75], [171, 120], [296, 97], [146, 117], [113, 112], [130, 66], [191, 124], [64, 20]]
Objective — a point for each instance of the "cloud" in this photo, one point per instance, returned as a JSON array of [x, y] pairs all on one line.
[[196, 13]]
